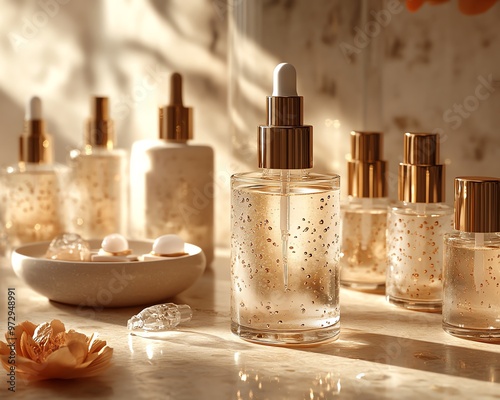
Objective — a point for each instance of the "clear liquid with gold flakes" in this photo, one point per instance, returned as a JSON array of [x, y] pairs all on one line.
[[471, 306], [33, 211], [285, 282], [415, 255], [364, 256], [97, 195]]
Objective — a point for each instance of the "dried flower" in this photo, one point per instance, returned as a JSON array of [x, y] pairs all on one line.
[[47, 351]]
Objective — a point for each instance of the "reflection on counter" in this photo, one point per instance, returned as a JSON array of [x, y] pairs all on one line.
[[253, 384]]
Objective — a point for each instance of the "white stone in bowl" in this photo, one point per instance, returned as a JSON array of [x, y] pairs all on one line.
[[114, 243], [168, 244]]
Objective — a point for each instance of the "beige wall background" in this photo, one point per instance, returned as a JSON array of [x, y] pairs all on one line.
[[362, 64]]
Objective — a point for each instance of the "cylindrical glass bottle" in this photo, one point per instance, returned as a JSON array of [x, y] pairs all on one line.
[[364, 217], [416, 226], [97, 201], [471, 270], [285, 233], [31, 189]]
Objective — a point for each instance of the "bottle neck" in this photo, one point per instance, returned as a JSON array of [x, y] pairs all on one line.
[[288, 174], [480, 237]]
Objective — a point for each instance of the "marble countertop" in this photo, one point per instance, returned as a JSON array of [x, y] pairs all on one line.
[[382, 352]]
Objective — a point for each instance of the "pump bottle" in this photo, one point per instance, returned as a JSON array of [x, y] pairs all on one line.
[[416, 225], [364, 216]]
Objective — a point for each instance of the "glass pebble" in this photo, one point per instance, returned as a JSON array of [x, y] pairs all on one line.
[[161, 317], [68, 247]]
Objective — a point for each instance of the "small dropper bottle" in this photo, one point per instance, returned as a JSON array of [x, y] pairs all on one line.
[[98, 196], [364, 217], [285, 228], [172, 180], [32, 197], [415, 227], [471, 269]]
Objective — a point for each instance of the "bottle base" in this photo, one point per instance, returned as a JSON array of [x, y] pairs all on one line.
[[481, 335], [364, 286], [416, 305], [287, 338]]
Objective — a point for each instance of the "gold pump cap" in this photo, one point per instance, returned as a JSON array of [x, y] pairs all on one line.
[[421, 177], [284, 143], [35, 144], [477, 204], [176, 121], [99, 129], [366, 171]]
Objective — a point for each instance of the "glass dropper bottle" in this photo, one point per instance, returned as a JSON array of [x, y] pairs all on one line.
[[285, 223]]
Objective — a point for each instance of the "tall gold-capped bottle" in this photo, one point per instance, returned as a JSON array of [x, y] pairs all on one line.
[[285, 231], [415, 227], [364, 216], [97, 199]]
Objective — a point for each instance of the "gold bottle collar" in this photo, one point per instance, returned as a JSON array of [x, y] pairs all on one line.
[[99, 128], [284, 143], [421, 177], [366, 171]]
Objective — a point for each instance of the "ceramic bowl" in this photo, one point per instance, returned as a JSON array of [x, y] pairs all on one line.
[[108, 284]]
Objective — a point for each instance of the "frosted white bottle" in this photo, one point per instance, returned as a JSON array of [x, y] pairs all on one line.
[[172, 188], [97, 195]]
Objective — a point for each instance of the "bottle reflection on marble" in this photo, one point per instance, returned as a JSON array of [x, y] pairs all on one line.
[[273, 386]]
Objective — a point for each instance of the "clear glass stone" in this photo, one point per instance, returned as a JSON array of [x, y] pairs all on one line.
[[161, 317], [69, 247]]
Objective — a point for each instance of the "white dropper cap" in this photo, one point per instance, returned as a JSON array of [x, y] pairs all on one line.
[[33, 109], [284, 80], [285, 142]]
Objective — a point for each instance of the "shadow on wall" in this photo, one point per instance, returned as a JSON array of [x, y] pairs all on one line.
[[372, 65]]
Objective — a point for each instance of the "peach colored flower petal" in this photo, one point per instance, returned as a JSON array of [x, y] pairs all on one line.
[[47, 351], [57, 326], [96, 344], [100, 364], [29, 348], [78, 350]]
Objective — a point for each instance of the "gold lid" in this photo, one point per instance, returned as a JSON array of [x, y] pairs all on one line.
[[34, 143], [284, 143], [366, 171], [176, 121], [477, 204], [99, 129], [421, 177]]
